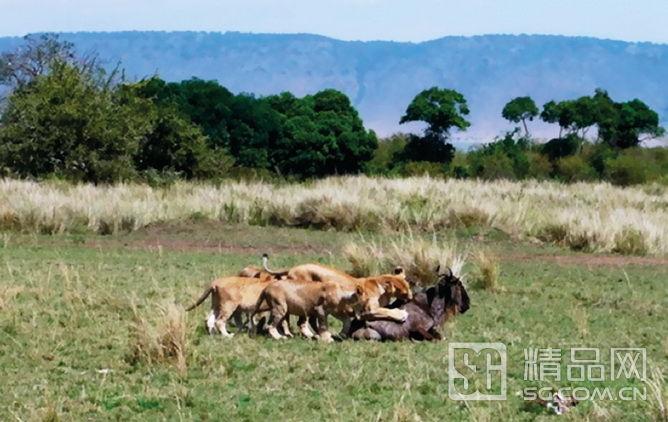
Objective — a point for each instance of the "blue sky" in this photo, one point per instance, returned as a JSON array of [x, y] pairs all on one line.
[[402, 20]]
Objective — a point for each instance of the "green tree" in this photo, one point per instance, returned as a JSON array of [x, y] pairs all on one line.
[[573, 116], [205, 103], [245, 126], [176, 145], [620, 125], [633, 123], [72, 122], [520, 109], [442, 110], [321, 134]]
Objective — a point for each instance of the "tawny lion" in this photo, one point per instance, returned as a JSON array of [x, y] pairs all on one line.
[[232, 297], [376, 292], [306, 299]]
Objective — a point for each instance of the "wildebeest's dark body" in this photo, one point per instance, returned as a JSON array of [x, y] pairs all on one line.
[[427, 312]]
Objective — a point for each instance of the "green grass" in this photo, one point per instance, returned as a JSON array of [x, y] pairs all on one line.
[[66, 315]]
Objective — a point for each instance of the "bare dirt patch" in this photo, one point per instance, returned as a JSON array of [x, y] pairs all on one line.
[[212, 236], [182, 245], [588, 260]]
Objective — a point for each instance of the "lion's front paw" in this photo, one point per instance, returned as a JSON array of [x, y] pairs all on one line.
[[401, 315]]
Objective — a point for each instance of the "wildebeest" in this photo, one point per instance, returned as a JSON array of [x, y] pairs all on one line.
[[427, 312]]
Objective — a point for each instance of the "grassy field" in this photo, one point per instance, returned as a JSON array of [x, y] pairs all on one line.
[[75, 309]]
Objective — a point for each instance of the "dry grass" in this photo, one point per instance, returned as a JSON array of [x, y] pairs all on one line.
[[580, 318], [7, 294], [488, 271], [419, 257], [657, 393], [585, 216], [160, 341]]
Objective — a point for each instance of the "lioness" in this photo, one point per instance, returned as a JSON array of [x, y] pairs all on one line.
[[234, 296], [306, 299], [377, 291]]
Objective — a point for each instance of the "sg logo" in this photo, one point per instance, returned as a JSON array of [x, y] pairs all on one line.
[[477, 371]]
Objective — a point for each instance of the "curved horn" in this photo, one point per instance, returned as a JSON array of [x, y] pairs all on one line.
[[449, 271], [265, 266]]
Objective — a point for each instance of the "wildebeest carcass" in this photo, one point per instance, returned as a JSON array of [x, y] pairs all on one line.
[[427, 312]]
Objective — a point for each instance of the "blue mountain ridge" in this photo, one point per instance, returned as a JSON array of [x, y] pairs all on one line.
[[382, 77]]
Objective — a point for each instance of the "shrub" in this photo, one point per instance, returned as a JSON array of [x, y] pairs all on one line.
[[459, 166], [431, 147], [468, 217], [322, 213], [159, 341], [553, 232], [487, 271], [574, 169], [424, 168], [561, 147], [630, 242], [384, 157], [539, 166], [628, 169], [504, 158], [496, 165]]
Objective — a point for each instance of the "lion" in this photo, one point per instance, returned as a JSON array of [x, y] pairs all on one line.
[[231, 297], [377, 291], [306, 299]]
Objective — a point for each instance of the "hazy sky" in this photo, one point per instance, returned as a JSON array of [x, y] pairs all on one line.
[[404, 20]]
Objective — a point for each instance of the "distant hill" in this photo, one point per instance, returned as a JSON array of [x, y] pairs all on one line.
[[382, 77]]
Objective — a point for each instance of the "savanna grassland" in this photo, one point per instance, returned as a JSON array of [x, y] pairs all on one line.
[[93, 281]]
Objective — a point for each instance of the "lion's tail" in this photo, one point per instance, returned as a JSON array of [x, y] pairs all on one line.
[[202, 298], [265, 266]]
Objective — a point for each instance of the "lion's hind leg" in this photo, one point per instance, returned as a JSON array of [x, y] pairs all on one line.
[[279, 312], [226, 311]]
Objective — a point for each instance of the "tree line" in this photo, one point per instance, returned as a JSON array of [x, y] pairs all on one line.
[[65, 116]]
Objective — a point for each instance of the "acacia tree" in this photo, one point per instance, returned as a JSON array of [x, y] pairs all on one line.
[[442, 110], [620, 125], [575, 117], [634, 123], [520, 109]]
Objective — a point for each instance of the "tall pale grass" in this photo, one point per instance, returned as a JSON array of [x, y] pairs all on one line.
[[658, 393], [488, 270], [589, 216], [417, 256], [161, 339]]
